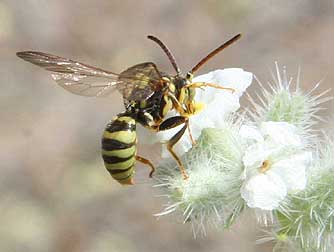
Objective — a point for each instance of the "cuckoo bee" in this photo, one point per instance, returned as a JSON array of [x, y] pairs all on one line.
[[148, 95]]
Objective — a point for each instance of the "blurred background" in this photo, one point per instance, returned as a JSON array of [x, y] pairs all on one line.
[[55, 194]]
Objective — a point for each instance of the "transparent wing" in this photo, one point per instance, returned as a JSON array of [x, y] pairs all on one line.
[[136, 83], [140, 81], [86, 85], [76, 77]]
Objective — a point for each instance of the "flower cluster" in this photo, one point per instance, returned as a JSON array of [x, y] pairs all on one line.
[[265, 159], [306, 219], [272, 162]]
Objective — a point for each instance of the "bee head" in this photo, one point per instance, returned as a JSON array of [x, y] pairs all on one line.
[[189, 76], [184, 93], [181, 82]]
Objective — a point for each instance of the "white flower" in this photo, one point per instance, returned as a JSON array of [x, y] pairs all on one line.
[[275, 164], [218, 104]]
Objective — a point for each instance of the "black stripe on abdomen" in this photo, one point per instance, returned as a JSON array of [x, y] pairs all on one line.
[[114, 159], [118, 125], [116, 171], [119, 148], [112, 144]]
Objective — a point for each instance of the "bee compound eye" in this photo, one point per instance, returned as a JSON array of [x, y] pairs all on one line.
[[189, 76]]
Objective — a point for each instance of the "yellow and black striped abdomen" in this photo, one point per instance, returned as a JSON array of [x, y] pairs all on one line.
[[119, 148]]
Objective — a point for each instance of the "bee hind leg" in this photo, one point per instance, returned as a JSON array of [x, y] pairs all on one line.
[[147, 162]]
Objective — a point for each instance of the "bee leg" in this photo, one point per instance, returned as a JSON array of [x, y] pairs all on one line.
[[193, 142], [204, 84], [172, 123], [147, 162], [170, 145]]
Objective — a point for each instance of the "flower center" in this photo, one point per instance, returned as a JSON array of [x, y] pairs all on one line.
[[265, 166]]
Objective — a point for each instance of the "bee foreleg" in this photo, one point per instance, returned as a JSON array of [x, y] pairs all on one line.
[[176, 103], [147, 162], [204, 84]]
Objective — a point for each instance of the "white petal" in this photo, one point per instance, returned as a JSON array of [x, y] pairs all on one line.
[[256, 153], [264, 191], [207, 94], [215, 111], [235, 78], [254, 156], [219, 103], [146, 136], [282, 133], [293, 170], [208, 77], [250, 133]]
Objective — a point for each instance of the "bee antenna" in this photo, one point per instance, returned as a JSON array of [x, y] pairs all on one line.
[[167, 51], [214, 52]]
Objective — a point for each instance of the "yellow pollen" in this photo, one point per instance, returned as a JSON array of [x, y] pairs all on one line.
[[265, 166]]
